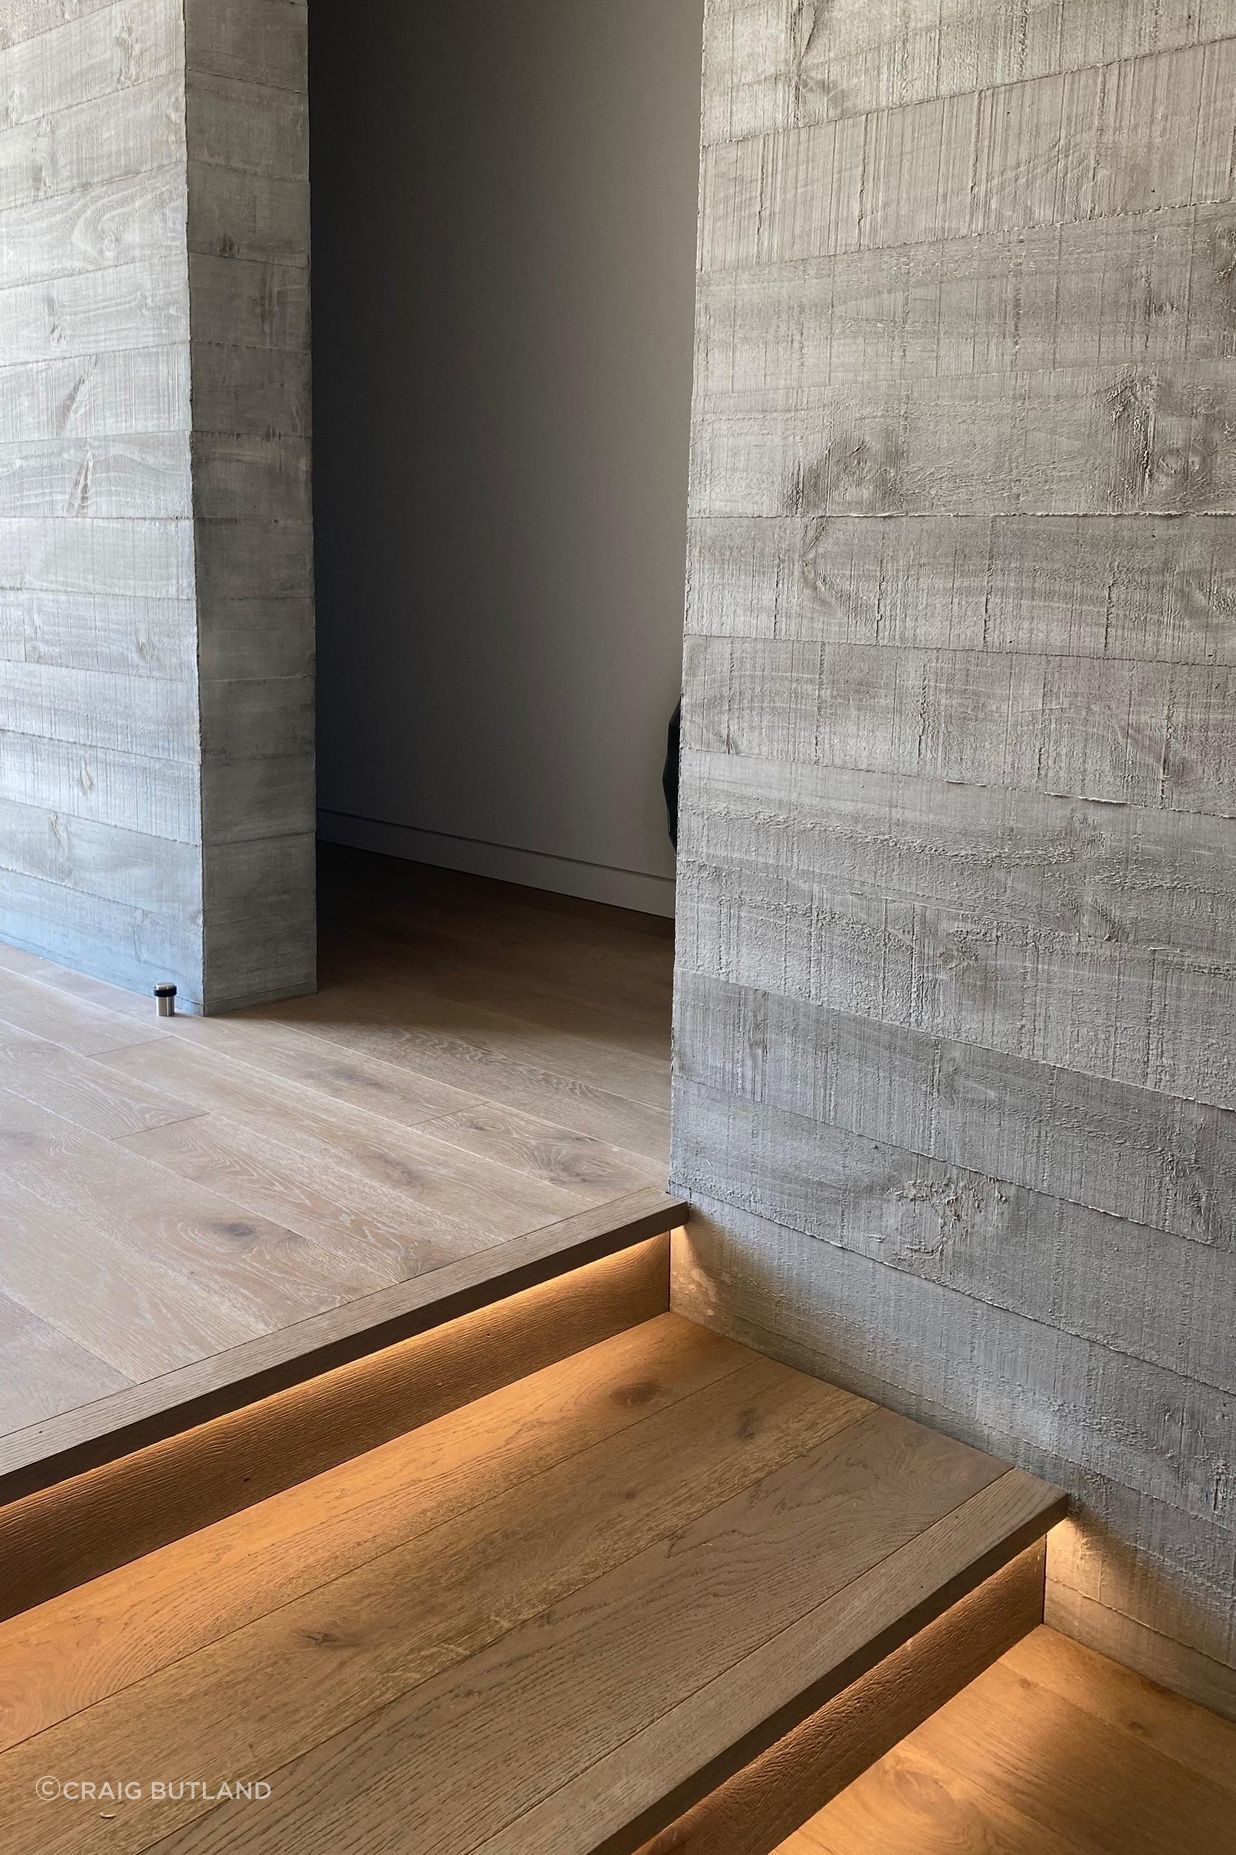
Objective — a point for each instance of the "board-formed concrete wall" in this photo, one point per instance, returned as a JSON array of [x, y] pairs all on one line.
[[956, 1021], [156, 784]]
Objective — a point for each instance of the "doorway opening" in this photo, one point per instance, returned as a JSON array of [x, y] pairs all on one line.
[[504, 210]]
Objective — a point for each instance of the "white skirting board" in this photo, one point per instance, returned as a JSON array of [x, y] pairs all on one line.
[[536, 869]]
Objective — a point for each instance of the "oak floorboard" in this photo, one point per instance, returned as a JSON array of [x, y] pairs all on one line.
[[80, 1025], [368, 1330], [373, 1236], [1098, 1785], [82, 986], [909, 1803], [547, 1620], [607, 958], [382, 1630], [428, 1177], [109, 1634], [571, 1685], [176, 1273], [1146, 1714], [584, 1165], [44, 1371], [130, 1474], [435, 1010], [587, 1168], [560, 993], [783, 1787], [182, 1188], [285, 1052], [85, 1092], [534, 1087], [1054, 1750], [714, 1735]]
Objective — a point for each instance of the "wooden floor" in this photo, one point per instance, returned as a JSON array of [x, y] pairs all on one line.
[[1052, 1751], [520, 1628], [481, 1063]]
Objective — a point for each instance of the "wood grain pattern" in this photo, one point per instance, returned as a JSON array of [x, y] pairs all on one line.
[[1081, 1273], [222, 1378], [1139, 588], [56, 1540], [585, 1513], [247, 142], [82, 1026], [773, 64], [1045, 995], [27, 19], [1051, 1382], [1134, 1154], [140, 560], [152, 948], [128, 715], [1158, 1558], [1093, 441], [126, 306], [248, 1175], [782, 1683], [587, 1617], [1143, 734], [607, 1558], [84, 143], [1179, 1667], [452, 1453], [43, 1370], [1110, 1797], [98, 53], [752, 1812], [122, 634], [1061, 149], [99, 861], [139, 218], [1069, 1754], [965, 310], [1122, 875], [100, 813]]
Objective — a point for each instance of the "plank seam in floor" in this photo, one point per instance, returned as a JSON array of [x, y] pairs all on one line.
[[409, 1308], [808, 1696], [401, 1710], [741, 1361], [766, 1501]]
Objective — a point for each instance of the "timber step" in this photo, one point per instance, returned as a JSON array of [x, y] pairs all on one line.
[[86, 1492], [548, 1622], [76, 1441]]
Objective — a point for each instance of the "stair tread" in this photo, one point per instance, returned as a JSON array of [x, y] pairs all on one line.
[[545, 1622], [41, 1455]]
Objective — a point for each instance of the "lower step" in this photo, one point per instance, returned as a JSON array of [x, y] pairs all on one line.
[[550, 1622]]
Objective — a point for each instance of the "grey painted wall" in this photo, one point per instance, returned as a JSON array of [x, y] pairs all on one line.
[[504, 226], [956, 1019], [156, 798]]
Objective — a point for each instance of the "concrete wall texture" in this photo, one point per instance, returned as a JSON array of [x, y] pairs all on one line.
[[156, 623], [956, 1021]]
